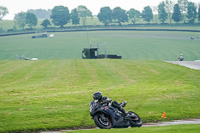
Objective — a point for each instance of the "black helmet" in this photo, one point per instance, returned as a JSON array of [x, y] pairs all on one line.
[[97, 95]]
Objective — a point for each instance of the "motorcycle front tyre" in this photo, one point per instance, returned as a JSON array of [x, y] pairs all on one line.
[[100, 123], [135, 123]]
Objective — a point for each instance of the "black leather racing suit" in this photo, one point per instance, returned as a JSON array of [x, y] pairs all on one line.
[[115, 104]]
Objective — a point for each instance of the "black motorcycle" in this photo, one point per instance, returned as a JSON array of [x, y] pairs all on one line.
[[106, 116]]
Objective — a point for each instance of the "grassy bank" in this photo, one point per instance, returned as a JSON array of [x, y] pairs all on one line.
[[137, 45], [55, 94]]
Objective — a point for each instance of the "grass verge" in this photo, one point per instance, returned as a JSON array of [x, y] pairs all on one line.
[[136, 45], [55, 94]]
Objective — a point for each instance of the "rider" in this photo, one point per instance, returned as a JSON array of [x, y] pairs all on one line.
[[105, 99], [181, 58]]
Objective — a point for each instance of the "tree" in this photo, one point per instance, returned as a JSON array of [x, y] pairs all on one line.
[[3, 12], [162, 13], [41, 13], [183, 7], [199, 14], [147, 14], [20, 19], [169, 8], [83, 13], [176, 16], [45, 23], [74, 16], [191, 12], [31, 19], [119, 15], [105, 15], [134, 15], [60, 16]]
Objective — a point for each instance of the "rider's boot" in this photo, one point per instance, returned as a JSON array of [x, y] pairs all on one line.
[[123, 112]]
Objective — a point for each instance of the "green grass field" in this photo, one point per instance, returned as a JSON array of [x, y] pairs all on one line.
[[134, 45], [55, 94]]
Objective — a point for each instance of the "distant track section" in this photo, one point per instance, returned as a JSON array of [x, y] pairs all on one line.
[[189, 64], [110, 29]]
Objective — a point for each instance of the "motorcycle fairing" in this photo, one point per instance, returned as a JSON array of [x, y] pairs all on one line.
[[117, 123]]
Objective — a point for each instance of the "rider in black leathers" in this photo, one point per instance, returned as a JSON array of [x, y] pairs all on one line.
[[103, 100], [181, 58]]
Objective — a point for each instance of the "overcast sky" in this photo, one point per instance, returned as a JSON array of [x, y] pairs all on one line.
[[16, 6]]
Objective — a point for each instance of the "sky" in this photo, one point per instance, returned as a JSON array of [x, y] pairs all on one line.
[[16, 6]]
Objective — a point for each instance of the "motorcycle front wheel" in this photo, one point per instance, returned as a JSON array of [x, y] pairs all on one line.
[[102, 121], [136, 121]]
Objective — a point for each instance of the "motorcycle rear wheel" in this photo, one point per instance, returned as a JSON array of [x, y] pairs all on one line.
[[137, 121], [102, 123]]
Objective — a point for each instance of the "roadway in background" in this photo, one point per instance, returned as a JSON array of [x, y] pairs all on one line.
[[190, 64]]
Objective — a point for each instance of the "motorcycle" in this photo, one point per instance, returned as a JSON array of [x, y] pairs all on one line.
[[106, 116]]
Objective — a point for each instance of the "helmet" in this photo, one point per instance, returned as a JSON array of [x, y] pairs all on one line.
[[97, 95]]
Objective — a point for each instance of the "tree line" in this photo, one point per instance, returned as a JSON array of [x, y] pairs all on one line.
[[59, 16], [182, 10]]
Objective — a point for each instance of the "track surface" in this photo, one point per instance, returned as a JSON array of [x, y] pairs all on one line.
[[175, 122], [189, 64]]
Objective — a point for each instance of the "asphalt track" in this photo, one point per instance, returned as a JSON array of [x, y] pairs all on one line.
[[175, 122], [190, 64], [97, 29]]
